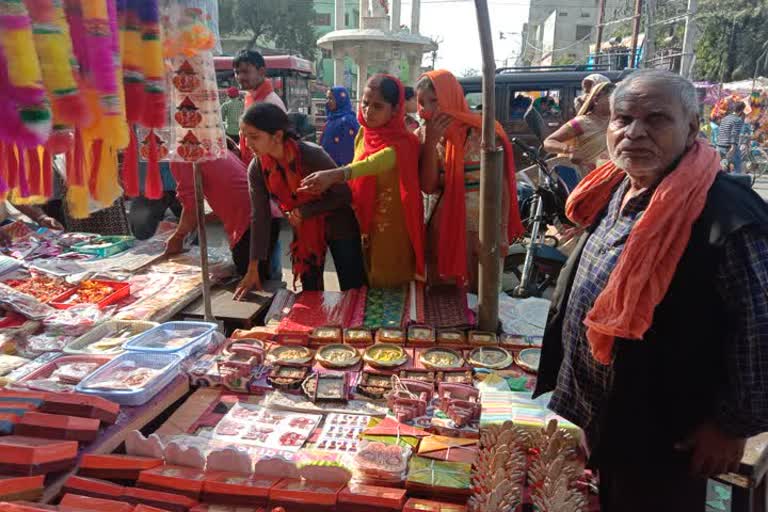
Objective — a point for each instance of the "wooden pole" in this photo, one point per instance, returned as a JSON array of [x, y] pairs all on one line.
[[202, 238], [600, 28], [635, 32], [490, 183]]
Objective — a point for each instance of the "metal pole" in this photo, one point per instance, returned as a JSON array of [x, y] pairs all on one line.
[[490, 183], [635, 32], [600, 28], [689, 40], [202, 238], [650, 46]]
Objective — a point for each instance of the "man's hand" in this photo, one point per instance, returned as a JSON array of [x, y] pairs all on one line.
[[294, 217], [49, 222], [174, 245], [713, 452]]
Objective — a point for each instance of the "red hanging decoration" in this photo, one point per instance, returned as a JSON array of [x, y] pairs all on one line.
[[93, 179], [47, 174], [35, 178], [131, 167], [153, 187]]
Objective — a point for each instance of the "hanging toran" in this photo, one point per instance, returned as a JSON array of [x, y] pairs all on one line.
[[144, 80], [62, 90]]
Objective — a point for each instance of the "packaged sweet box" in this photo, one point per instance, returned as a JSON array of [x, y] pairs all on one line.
[[75, 502], [176, 479], [304, 496], [21, 488], [54, 426], [422, 505], [21, 455], [370, 498], [325, 335], [115, 467], [436, 478], [84, 406], [237, 489], [160, 499], [93, 487]]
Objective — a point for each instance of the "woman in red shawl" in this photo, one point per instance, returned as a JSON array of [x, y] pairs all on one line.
[[450, 165], [384, 178]]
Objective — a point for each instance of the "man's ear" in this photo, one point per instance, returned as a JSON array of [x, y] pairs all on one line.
[[693, 130]]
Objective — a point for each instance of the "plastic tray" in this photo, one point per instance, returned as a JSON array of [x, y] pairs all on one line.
[[156, 340], [167, 366], [122, 290], [81, 344], [47, 369], [115, 245]]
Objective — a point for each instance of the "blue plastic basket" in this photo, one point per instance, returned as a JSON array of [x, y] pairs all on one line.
[[156, 340], [168, 366]]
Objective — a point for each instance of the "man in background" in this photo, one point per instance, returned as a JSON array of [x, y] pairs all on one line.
[[231, 110], [728, 138]]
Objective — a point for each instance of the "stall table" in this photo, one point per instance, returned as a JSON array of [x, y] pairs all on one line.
[[130, 419], [234, 314], [749, 484]]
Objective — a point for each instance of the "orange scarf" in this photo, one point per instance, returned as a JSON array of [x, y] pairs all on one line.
[[655, 245], [451, 253], [255, 96], [283, 180]]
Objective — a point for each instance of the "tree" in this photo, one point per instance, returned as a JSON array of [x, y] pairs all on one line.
[[734, 35], [287, 24]]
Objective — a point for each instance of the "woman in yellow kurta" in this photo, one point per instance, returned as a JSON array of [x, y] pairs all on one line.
[[385, 186]]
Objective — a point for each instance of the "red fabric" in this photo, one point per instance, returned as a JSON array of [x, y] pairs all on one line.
[[77, 176], [451, 250], [131, 166], [225, 185], [309, 246], [93, 179], [11, 165], [35, 177], [153, 186], [47, 174], [255, 96], [655, 245], [406, 145]]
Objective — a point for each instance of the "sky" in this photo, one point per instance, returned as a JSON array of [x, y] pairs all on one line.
[[455, 22]]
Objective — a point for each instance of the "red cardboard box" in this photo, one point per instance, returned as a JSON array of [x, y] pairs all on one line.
[[177, 479], [159, 499], [53, 426], [21, 488], [370, 498], [32, 456], [237, 489], [115, 467], [303, 496], [93, 488], [77, 503], [419, 505], [84, 406], [25, 506], [224, 508]]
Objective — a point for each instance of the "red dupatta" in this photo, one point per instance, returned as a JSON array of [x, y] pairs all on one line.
[[283, 179], [451, 250], [406, 145], [255, 96]]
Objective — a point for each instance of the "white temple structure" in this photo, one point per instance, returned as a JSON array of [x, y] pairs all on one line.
[[380, 41]]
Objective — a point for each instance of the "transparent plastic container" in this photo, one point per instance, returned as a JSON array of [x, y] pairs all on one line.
[[130, 329], [132, 378], [182, 338]]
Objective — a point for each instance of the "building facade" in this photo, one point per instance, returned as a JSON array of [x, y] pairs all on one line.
[[562, 34]]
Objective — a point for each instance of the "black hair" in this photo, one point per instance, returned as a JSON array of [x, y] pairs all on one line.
[[388, 87], [248, 57], [425, 83], [269, 118], [739, 107], [409, 93]]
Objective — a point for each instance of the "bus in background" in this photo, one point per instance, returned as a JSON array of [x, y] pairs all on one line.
[[291, 76]]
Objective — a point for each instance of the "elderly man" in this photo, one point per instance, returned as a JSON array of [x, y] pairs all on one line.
[[657, 343]]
